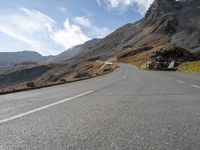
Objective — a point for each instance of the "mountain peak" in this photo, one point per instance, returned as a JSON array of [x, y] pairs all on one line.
[[163, 7], [162, 16]]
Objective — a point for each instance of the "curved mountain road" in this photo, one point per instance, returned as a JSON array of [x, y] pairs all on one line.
[[126, 109]]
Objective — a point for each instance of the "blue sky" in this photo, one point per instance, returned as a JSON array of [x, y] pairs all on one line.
[[52, 26]]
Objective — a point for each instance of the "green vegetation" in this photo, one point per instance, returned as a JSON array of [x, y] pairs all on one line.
[[189, 67]]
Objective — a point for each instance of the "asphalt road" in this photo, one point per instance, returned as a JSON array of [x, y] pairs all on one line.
[[128, 109]]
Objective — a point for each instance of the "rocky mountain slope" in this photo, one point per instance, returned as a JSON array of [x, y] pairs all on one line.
[[168, 24]]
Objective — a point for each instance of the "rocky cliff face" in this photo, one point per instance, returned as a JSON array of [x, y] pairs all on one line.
[[167, 23], [162, 16], [188, 29], [180, 20]]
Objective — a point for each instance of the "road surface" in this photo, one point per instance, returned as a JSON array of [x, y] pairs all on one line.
[[128, 109]]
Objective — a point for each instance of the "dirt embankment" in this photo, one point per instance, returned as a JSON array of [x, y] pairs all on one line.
[[52, 74]]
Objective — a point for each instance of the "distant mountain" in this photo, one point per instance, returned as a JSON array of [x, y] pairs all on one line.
[[11, 58], [70, 53]]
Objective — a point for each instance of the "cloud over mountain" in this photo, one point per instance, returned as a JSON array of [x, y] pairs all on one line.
[[42, 33], [139, 5], [94, 31]]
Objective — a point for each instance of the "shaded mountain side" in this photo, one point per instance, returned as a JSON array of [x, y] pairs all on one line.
[[70, 53], [51, 74], [19, 76], [188, 29], [167, 23], [11, 58], [19, 66]]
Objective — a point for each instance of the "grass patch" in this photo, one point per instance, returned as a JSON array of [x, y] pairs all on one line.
[[189, 67]]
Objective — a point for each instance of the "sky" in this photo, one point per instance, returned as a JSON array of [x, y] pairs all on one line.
[[52, 26]]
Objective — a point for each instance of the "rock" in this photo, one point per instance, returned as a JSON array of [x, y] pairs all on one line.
[[30, 84], [168, 58]]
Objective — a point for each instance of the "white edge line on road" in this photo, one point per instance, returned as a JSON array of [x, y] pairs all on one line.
[[44, 107], [196, 86], [179, 81], [124, 77]]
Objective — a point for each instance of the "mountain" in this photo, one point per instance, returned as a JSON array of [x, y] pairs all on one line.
[[167, 25], [11, 58], [70, 53], [37, 76]]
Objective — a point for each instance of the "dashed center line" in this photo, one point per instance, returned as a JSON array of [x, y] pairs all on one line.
[[196, 86], [193, 85], [124, 77], [179, 81], [44, 107]]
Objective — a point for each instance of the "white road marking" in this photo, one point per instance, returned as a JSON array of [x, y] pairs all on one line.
[[44, 107], [196, 86], [124, 77], [108, 63], [179, 81]]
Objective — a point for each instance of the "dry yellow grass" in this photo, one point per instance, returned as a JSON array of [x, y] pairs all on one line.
[[137, 60], [189, 67]]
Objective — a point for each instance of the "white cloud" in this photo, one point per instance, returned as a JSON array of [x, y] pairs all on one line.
[[69, 36], [82, 20], [88, 13], [98, 2], [40, 31], [99, 32], [94, 31], [122, 5], [62, 9]]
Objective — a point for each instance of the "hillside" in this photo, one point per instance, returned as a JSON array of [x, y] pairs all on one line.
[[11, 58], [72, 52], [168, 24], [37, 76]]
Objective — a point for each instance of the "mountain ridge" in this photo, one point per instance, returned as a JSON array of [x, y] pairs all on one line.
[[72, 52], [12, 58], [167, 23], [8, 59]]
